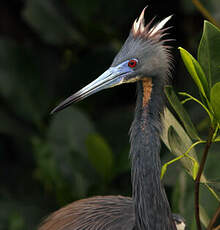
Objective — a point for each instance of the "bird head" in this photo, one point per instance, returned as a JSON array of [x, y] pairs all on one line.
[[143, 55]]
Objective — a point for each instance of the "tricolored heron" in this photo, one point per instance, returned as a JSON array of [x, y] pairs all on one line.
[[145, 59]]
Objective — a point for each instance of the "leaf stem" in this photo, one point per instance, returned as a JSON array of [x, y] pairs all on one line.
[[184, 101], [198, 177], [216, 131], [214, 218], [185, 154], [205, 12], [199, 102]]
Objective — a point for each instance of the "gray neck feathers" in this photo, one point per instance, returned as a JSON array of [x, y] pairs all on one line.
[[152, 210]]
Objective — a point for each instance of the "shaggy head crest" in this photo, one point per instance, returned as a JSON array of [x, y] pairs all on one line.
[[155, 33]]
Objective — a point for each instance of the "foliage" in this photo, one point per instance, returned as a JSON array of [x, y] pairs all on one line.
[[180, 141], [48, 50]]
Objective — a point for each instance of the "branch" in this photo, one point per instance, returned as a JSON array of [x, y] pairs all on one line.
[[217, 228], [205, 12], [214, 218], [198, 177]]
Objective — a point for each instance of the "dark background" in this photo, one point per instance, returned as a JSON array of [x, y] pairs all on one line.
[[48, 50]]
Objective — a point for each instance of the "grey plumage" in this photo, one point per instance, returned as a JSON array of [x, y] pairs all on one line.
[[100, 212], [145, 59]]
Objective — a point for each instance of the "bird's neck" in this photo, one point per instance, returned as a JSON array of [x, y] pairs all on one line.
[[152, 210]]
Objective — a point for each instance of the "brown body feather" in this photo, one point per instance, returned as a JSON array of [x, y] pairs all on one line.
[[96, 213]]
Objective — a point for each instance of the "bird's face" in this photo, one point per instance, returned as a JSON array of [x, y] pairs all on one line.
[[144, 57], [138, 58]]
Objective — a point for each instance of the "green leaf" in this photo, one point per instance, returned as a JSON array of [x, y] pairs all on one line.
[[196, 72], [204, 216], [179, 193], [100, 156], [183, 115], [217, 138], [214, 184], [178, 142], [163, 171], [209, 52], [215, 100], [178, 147], [183, 198], [195, 169]]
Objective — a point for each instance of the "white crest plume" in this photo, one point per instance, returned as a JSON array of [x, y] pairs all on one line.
[[139, 23], [159, 26], [155, 33]]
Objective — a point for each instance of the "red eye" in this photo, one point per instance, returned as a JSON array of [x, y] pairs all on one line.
[[132, 63]]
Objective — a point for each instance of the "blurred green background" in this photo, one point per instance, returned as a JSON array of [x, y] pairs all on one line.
[[48, 50]]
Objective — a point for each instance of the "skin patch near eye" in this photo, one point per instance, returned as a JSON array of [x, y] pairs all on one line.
[[147, 88]]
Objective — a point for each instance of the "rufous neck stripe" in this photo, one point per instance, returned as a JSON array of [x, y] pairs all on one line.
[[147, 88]]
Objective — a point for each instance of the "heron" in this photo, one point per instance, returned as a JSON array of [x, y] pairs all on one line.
[[145, 59]]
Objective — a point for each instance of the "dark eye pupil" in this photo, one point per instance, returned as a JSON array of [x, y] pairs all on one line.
[[132, 63]]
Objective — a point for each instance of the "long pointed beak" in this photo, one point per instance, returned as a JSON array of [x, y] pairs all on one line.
[[110, 78]]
